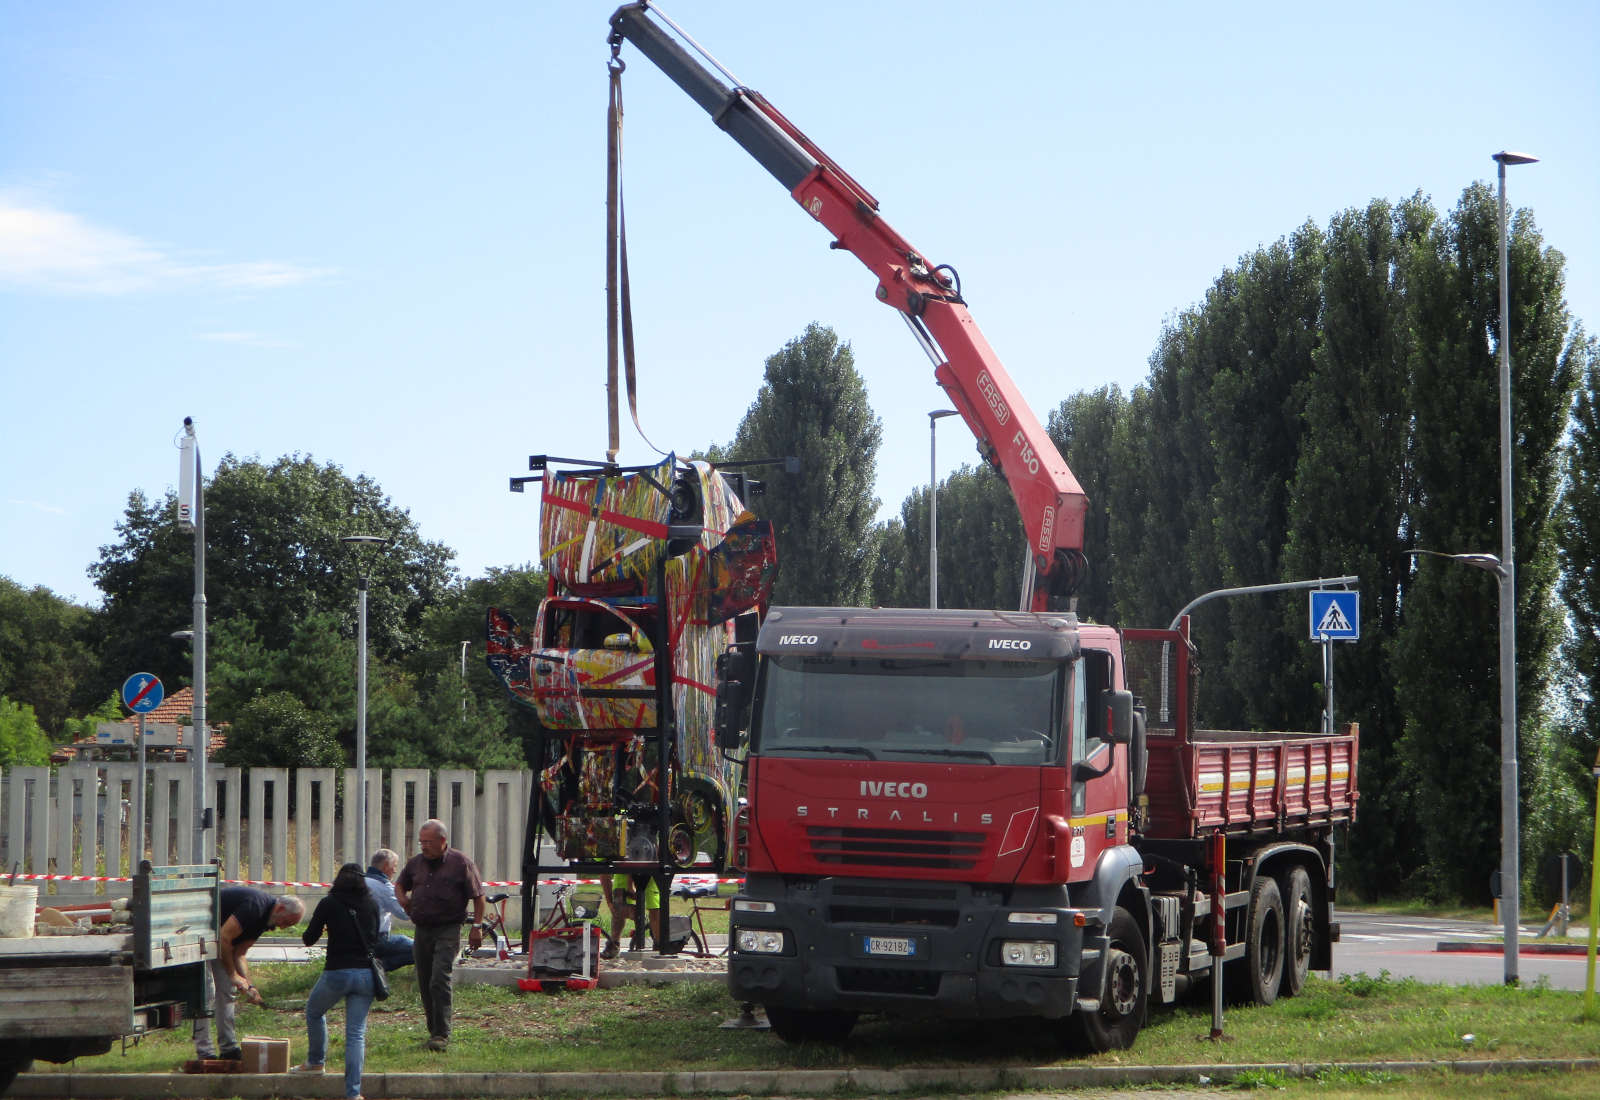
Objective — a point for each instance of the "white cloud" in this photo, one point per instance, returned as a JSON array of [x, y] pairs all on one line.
[[42, 248], [37, 506]]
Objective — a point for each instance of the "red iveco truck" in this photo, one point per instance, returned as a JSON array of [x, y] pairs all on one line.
[[994, 814], [964, 813]]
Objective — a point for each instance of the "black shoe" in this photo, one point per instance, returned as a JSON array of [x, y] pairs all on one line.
[[230, 1054]]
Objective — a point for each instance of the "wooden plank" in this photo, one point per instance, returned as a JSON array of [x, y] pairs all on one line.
[[66, 1001], [66, 946]]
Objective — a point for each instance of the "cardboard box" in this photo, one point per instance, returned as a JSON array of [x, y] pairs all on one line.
[[263, 1055]]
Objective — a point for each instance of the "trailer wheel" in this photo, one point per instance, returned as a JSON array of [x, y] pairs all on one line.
[[1300, 930], [1256, 977], [795, 1025], [1115, 1025]]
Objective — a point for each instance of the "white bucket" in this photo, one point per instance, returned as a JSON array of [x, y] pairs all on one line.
[[17, 905]]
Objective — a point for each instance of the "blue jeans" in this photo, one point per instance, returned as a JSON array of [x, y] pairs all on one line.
[[354, 988], [393, 951]]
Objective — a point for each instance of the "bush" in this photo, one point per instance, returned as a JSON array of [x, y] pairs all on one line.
[[277, 730]]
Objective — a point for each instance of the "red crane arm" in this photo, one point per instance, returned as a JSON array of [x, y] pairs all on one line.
[[1049, 499]]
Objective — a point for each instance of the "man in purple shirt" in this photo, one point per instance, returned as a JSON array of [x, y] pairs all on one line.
[[434, 889]]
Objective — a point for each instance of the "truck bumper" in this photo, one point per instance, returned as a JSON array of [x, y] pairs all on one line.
[[935, 949]]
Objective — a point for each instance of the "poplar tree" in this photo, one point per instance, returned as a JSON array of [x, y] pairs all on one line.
[[1580, 555], [1349, 498], [813, 405], [1446, 654]]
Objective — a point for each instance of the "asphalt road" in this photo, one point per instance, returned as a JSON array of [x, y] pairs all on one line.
[[1408, 947]]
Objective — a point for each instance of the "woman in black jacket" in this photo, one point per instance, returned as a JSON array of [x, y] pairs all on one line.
[[351, 918]]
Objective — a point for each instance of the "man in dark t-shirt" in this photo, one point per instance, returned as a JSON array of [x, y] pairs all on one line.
[[246, 914], [434, 889]]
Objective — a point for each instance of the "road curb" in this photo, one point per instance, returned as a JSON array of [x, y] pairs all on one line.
[[803, 1082], [1468, 948]]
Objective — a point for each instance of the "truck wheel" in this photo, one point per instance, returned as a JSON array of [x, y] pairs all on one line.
[[1256, 977], [795, 1025], [1300, 930], [1116, 1023], [14, 1059]]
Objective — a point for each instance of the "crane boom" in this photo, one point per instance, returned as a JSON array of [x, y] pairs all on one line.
[[1010, 438]]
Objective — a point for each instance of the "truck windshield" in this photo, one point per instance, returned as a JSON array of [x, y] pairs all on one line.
[[1002, 712]]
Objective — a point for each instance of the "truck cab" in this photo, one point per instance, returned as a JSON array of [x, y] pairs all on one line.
[[938, 794]]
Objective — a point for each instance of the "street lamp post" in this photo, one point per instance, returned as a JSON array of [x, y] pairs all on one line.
[[1510, 886], [376, 542], [933, 505], [192, 514], [1510, 843]]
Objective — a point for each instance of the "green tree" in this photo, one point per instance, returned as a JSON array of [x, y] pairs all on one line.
[[1349, 496], [813, 405], [1084, 428], [22, 742], [1446, 653], [433, 722], [47, 656], [317, 667], [277, 730], [980, 541], [274, 558], [1579, 540], [894, 571]]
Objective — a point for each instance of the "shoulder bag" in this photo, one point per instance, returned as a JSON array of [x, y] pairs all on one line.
[[380, 980]]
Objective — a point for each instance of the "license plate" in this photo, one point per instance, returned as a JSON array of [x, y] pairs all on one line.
[[893, 946]]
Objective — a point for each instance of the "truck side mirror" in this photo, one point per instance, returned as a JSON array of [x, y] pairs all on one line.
[[1117, 709], [728, 712], [735, 669]]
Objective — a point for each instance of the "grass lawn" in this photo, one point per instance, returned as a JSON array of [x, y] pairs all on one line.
[[674, 1027]]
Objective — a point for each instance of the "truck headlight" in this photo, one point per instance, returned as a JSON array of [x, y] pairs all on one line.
[[1027, 953], [760, 941]]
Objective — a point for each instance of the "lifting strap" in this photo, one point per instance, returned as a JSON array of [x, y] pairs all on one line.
[[619, 307]]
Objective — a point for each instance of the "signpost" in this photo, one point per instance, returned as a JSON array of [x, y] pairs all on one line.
[[141, 693], [1335, 617]]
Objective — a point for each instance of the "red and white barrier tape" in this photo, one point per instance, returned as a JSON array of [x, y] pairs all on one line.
[[301, 885]]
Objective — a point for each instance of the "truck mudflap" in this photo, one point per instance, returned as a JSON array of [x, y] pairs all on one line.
[[932, 949]]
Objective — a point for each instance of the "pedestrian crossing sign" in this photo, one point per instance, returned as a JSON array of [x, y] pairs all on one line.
[[1335, 616]]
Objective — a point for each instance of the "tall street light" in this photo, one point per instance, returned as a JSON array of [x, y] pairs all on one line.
[[362, 543], [933, 505], [1510, 884], [1510, 842], [192, 516]]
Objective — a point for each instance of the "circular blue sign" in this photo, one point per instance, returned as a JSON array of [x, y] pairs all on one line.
[[142, 693]]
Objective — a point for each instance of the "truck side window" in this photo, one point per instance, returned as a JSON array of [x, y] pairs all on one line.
[[1097, 677], [1078, 709]]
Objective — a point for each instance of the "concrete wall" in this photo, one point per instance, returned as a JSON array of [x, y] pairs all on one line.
[[272, 824]]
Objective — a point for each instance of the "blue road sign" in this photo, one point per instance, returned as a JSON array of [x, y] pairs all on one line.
[[1335, 615], [142, 693]]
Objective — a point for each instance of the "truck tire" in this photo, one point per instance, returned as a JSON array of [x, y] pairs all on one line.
[[1116, 1023], [795, 1025], [14, 1059], [1255, 978], [1300, 929]]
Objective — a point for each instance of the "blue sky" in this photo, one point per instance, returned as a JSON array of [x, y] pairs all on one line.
[[373, 233]]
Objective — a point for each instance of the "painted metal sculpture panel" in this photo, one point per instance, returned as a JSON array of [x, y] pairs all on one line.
[[652, 572]]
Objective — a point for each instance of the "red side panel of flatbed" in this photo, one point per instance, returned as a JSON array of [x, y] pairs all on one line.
[[1199, 781]]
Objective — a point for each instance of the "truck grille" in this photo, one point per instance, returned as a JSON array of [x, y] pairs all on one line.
[[849, 847], [909, 983]]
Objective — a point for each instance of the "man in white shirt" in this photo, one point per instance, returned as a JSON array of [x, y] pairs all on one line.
[[392, 950]]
